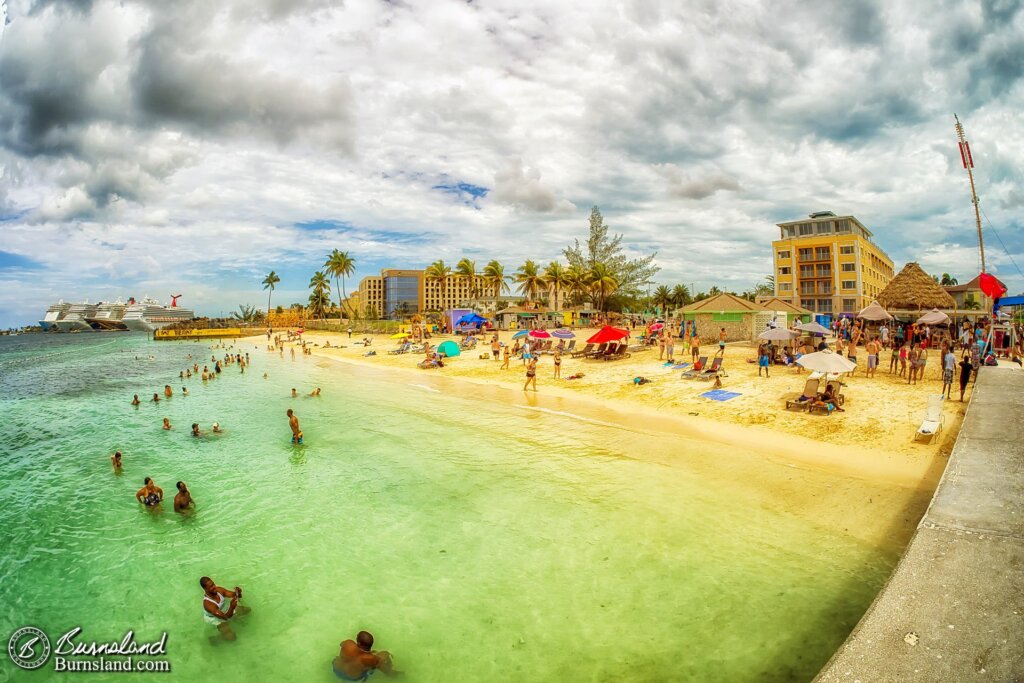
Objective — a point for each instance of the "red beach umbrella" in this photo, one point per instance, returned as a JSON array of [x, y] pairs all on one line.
[[655, 327], [608, 334], [992, 287], [540, 334]]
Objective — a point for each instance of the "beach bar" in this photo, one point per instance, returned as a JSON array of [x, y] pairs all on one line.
[[737, 316]]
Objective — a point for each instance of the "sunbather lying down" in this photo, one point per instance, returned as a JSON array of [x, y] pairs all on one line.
[[431, 363], [641, 380], [578, 375]]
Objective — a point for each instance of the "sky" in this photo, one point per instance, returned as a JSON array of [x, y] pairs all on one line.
[[156, 148]]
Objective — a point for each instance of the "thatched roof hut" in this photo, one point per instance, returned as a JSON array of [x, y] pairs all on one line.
[[913, 290]]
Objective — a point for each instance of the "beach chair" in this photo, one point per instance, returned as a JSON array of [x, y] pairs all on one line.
[[697, 368], [807, 398], [599, 351], [608, 351], [617, 352], [570, 347], [933, 420], [716, 367], [585, 351], [837, 388]]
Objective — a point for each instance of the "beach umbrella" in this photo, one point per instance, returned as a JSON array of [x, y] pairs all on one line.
[[813, 328], [400, 335], [933, 317], [778, 334], [520, 333], [608, 334], [655, 327], [563, 334], [540, 334], [449, 348], [826, 361], [874, 311]]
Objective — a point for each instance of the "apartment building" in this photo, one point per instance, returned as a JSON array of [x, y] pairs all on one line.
[[397, 293]]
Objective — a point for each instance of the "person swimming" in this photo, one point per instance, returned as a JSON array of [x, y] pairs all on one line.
[[135, 400], [184, 391], [356, 660], [294, 392], [216, 428], [150, 494], [183, 498], [195, 429], [315, 392], [167, 423], [156, 398], [115, 460]]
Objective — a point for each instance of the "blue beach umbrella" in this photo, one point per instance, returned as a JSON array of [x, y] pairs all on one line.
[[520, 333], [449, 348], [563, 334]]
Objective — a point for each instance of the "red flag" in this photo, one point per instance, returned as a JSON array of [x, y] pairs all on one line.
[[963, 157], [992, 287], [967, 146]]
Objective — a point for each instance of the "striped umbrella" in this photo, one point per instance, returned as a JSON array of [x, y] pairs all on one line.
[[563, 334], [520, 333]]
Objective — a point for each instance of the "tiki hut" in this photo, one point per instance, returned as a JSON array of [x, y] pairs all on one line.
[[914, 290]]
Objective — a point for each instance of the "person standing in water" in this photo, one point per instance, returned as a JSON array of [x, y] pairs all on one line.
[[167, 391], [293, 423], [115, 460], [356, 660], [167, 423], [220, 605], [150, 494], [135, 400], [183, 498]]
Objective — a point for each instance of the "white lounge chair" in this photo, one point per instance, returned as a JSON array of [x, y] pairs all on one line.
[[933, 419]]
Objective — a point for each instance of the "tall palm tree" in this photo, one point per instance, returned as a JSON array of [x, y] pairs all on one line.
[[602, 284], [662, 297], [530, 280], [576, 278], [465, 270], [340, 265], [948, 281], [681, 295], [320, 299], [439, 272], [268, 283], [494, 275], [555, 278]]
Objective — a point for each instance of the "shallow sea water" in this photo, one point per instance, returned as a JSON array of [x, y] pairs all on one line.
[[477, 541]]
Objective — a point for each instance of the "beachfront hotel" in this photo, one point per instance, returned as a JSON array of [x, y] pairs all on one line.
[[829, 264], [397, 293]]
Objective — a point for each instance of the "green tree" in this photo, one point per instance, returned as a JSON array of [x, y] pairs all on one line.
[[948, 281], [555, 277], [530, 280], [630, 274], [465, 270], [320, 298], [247, 314], [577, 283], [340, 265], [681, 295], [269, 282], [714, 291], [439, 272], [662, 297], [602, 283], [494, 276]]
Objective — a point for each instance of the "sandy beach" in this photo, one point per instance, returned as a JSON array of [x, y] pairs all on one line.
[[872, 439]]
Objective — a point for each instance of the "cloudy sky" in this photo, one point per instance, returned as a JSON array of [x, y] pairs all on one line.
[[152, 147]]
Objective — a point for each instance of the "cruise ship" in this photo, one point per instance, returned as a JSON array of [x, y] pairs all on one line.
[[149, 315], [109, 316], [54, 313], [74, 321]]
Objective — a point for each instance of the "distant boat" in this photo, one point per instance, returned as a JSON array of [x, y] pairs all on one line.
[[151, 315], [74, 321], [109, 316], [54, 313]]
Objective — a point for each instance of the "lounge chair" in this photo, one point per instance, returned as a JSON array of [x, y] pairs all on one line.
[[837, 388], [616, 352], [599, 351], [697, 368], [933, 420], [609, 351], [716, 367], [570, 347], [583, 352], [807, 398]]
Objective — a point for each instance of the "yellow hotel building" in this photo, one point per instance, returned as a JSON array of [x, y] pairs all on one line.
[[829, 264]]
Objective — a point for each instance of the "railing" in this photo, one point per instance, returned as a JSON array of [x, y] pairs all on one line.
[[358, 326]]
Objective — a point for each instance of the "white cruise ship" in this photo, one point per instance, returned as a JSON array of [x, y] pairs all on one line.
[[149, 315], [75, 318], [54, 313], [108, 316]]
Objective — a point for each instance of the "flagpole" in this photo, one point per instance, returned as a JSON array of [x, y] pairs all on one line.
[[968, 162]]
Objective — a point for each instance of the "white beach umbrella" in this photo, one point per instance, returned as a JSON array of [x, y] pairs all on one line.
[[933, 317], [874, 311], [778, 334], [814, 328], [826, 361]]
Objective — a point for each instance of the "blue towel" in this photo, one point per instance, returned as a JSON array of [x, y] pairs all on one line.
[[678, 366], [720, 395]]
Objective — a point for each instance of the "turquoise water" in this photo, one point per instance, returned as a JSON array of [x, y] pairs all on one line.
[[477, 541]]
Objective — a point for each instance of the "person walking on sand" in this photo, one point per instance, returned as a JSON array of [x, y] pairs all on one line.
[[558, 364], [762, 360], [894, 358], [670, 348], [531, 375], [506, 357], [966, 368], [948, 368], [873, 348], [922, 361], [721, 342], [661, 347], [293, 423], [695, 345], [915, 351]]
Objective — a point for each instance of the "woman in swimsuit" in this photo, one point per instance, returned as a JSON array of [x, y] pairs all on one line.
[[531, 375], [150, 494], [558, 364]]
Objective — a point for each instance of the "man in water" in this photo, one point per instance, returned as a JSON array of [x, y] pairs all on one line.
[[195, 429], [156, 398], [135, 400], [115, 460], [315, 392], [357, 661], [150, 494], [167, 391], [295, 394], [220, 605], [293, 422], [183, 498], [184, 391]]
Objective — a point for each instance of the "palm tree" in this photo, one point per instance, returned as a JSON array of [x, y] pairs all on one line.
[[680, 295], [439, 272], [320, 299], [268, 283], [494, 275], [339, 265], [714, 291], [465, 269], [602, 284], [555, 278], [247, 314], [530, 280], [662, 297], [948, 281], [576, 281]]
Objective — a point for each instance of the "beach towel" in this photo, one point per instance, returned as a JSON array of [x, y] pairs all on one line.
[[678, 366], [720, 395]]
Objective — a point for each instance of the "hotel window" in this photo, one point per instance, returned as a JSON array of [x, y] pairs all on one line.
[[806, 271], [824, 305], [807, 288], [824, 270], [849, 284], [849, 267], [785, 286], [849, 305], [822, 253], [785, 271], [847, 249], [807, 303], [806, 229], [806, 254], [788, 231], [843, 226], [783, 255], [825, 228]]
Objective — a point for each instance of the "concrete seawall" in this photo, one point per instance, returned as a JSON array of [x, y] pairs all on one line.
[[953, 610]]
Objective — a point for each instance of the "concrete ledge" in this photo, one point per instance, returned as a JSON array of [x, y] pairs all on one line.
[[953, 610]]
